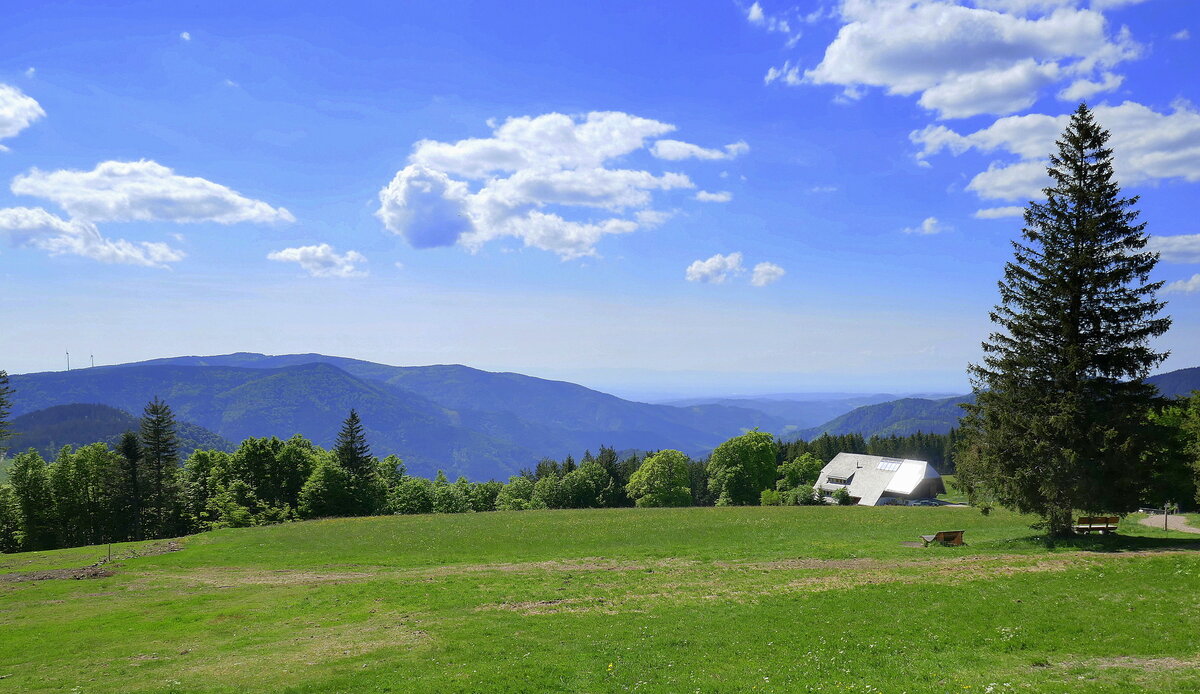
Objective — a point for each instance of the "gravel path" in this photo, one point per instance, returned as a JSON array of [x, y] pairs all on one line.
[[1174, 522]]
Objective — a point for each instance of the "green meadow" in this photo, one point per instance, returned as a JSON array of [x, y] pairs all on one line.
[[764, 599]]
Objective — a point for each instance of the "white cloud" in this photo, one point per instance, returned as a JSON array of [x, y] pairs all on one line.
[[544, 180], [17, 112], [930, 225], [30, 71], [719, 196], [787, 73], [716, 269], [674, 150], [1150, 146], [1000, 212], [1187, 286], [322, 261], [1181, 248], [778, 23], [34, 227], [1182, 35], [766, 273], [185, 35], [995, 57], [144, 191], [1085, 89], [823, 189]]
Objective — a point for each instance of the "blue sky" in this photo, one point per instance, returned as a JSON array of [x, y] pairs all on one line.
[[648, 198]]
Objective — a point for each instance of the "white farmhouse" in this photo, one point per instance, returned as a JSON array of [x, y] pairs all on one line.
[[873, 480]]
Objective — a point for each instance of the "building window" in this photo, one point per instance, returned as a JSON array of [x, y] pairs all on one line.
[[838, 480]]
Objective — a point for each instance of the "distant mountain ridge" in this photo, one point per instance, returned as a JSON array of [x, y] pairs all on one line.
[[937, 416], [466, 421], [463, 420]]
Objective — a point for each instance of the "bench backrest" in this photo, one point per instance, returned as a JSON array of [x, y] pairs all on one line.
[[950, 537], [1099, 520]]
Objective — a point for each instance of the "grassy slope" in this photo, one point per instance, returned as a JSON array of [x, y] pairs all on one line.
[[649, 599]]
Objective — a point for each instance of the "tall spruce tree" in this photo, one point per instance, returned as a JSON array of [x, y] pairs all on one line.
[[1060, 418], [130, 487], [353, 455], [160, 467], [6, 392], [351, 449]]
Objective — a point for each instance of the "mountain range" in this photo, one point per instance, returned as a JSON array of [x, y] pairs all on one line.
[[465, 421]]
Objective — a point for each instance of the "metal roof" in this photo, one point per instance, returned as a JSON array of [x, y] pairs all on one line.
[[870, 476]]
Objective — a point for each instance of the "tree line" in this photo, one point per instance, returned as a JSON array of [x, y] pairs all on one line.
[[142, 489]]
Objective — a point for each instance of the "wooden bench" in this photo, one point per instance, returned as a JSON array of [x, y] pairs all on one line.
[[949, 538], [1097, 524]]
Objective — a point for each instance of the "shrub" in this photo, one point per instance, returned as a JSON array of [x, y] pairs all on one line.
[[450, 498], [842, 497], [412, 495], [770, 497]]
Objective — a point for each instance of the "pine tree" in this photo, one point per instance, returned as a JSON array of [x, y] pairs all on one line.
[[130, 449], [353, 455], [1060, 419], [351, 449], [6, 392], [160, 465]]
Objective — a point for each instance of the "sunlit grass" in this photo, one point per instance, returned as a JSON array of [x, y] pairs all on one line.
[[667, 600]]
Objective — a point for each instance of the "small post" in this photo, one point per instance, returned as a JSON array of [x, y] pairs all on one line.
[[1166, 512]]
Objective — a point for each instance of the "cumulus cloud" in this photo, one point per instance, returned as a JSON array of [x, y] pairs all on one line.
[[1152, 146], [185, 35], [716, 269], [1182, 35], [930, 225], [146, 191], [766, 273], [322, 261], [34, 227], [1187, 286], [1000, 212], [1182, 248], [142, 191], [17, 111], [674, 150], [1080, 90], [719, 196], [961, 60], [545, 180]]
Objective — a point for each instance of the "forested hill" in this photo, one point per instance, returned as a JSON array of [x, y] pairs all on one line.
[[463, 420], [1175, 383], [77, 425], [910, 415], [900, 417]]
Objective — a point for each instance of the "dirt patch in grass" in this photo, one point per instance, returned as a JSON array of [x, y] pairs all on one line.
[[1143, 664], [101, 569], [228, 577], [77, 574], [554, 606]]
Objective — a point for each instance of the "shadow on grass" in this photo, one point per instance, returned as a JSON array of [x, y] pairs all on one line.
[[1104, 543]]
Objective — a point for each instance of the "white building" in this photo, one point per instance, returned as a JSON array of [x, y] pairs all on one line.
[[872, 480]]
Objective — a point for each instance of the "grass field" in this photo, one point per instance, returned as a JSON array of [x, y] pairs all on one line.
[[774, 599]]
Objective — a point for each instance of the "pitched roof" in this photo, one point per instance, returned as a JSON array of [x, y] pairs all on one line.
[[870, 476]]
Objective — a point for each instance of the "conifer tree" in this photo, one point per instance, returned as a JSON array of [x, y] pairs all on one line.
[[160, 465], [6, 392], [352, 453], [131, 501], [1060, 419], [351, 449]]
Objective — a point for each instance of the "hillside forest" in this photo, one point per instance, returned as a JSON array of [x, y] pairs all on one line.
[[141, 487]]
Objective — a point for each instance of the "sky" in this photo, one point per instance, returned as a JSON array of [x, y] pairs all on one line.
[[653, 199]]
